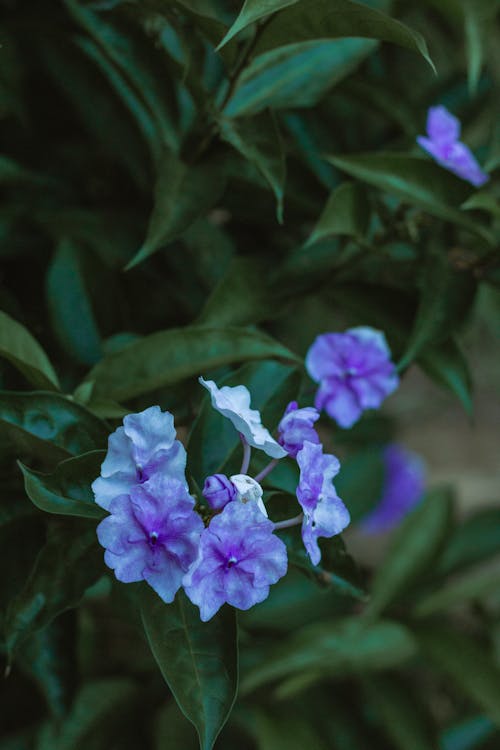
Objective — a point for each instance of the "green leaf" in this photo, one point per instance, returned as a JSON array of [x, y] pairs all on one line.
[[446, 296], [395, 706], [67, 565], [199, 660], [213, 442], [25, 353], [479, 17], [242, 297], [47, 426], [475, 540], [168, 357], [48, 657], [283, 727], [360, 482], [182, 194], [327, 19], [128, 60], [297, 75], [70, 305], [334, 648], [336, 571], [416, 544], [416, 181], [467, 664], [258, 140], [97, 703], [67, 490], [468, 734], [447, 366], [473, 585], [251, 12], [347, 212]]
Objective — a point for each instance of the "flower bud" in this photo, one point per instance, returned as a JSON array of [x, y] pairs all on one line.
[[218, 491], [248, 490]]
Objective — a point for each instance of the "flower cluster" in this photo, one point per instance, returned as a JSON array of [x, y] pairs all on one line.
[[443, 144], [223, 548]]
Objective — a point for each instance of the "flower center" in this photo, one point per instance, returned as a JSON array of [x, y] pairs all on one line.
[[141, 475], [153, 538], [231, 562]]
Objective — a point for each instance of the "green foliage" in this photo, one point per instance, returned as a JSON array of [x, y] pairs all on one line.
[[199, 661], [201, 187]]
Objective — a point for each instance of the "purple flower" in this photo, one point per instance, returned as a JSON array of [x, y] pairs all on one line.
[[443, 131], [234, 403], [354, 370], [218, 491], [296, 427], [145, 445], [403, 487], [324, 512], [152, 534], [239, 558]]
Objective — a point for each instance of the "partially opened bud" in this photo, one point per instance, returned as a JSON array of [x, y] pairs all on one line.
[[218, 491]]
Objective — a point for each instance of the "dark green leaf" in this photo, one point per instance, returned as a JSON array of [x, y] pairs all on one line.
[[47, 426], [297, 75], [182, 194], [199, 660], [283, 728], [468, 734], [67, 490], [337, 569], [334, 648], [402, 718], [326, 19], [67, 565], [447, 366], [252, 11], [360, 482], [49, 658], [472, 585], [415, 546], [347, 211], [24, 352], [71, 309], [470, 667], [446, 296], [475, 540], [129, 63], [415, 180], [213, 441], [97, 703], [259, 141], [168, 357], [242, 296]]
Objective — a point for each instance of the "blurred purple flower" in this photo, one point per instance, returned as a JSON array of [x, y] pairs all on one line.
[[324, 512], [354, 370], [296, 427], [144, 446], [239, 558], [218, 491], [442, 143], [234, 403], [152, 534], [403, 487]]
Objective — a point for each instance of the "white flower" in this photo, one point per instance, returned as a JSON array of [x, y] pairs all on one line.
[[234, 403], [248, 491]]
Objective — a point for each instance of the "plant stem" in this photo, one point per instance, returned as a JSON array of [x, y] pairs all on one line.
[[289, 522], [246, 456], [266, 470]]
